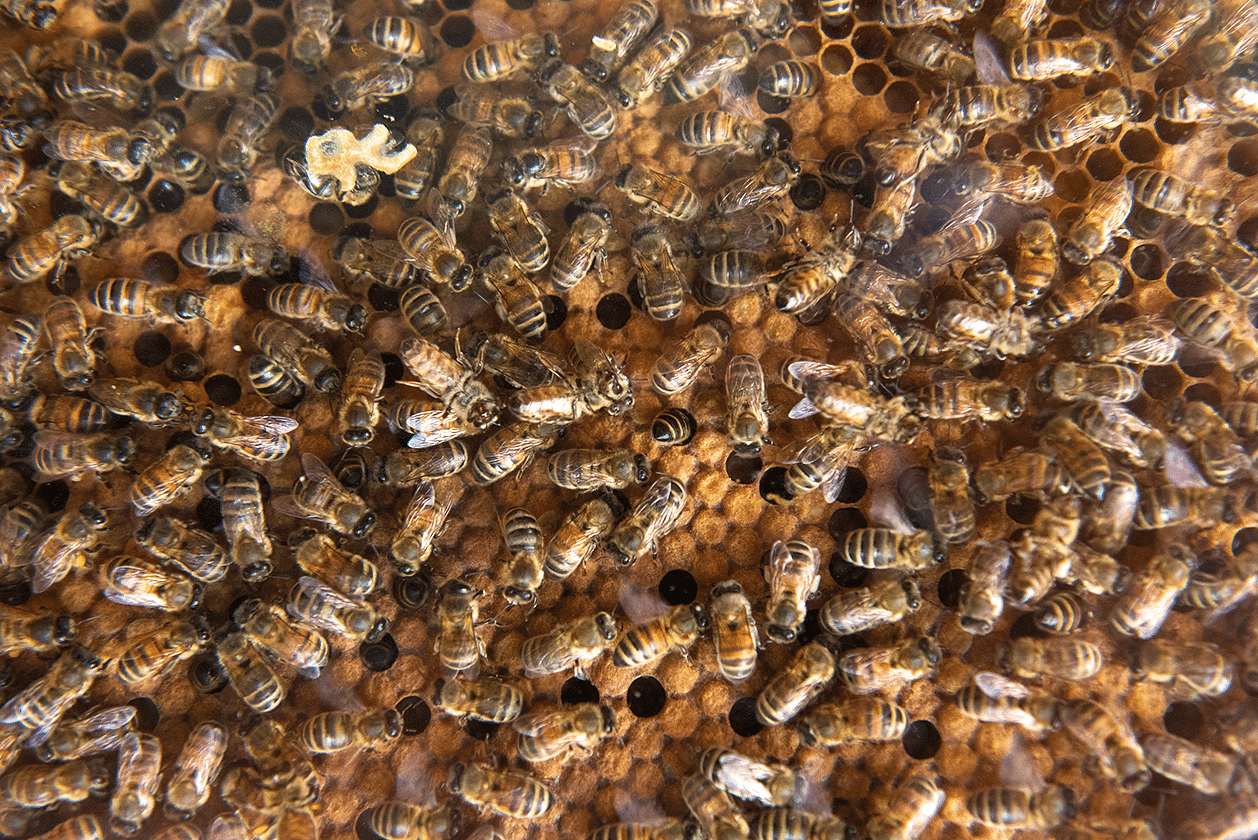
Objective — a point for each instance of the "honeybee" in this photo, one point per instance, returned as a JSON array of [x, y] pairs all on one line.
[[1171, 26], [139, 774], [488, 700], [872, 332], [183, 166], [565, 164], [435, 256], [382, 261], [359, 411], [583, 247], [726, 275], [1234, 37], [95, 733], [246, 124], [1071, 382], [1012, 181], [704, 68], [571, 645], [1060, 613], [747, 417], [225, 251], [148, 402], [820, 461], [659, 193], [321, 606], [517, 299], [586, 103], [855, 719], [883, 548], [577, 538], [318, 304], [1017, 20], [654, 517], [796, 685], [1197, 668], [916, 803], [619, 37], [1217, 449], [320, 496], [450, 381], [659, 279], [889, 219], [733, 631], [679, 365], [36, 786], [43, 633], [669, 830], [181, 32], [1145, 340], [262, 438], [404, 36], [1019, 808], [868, 607], [712, 809], [510, 116], [244, 524], [1078, 297], [219, 72], [152, 654], [889, 667], [66, 239], [1206, 324], [1181, 760], [1220, 592], [407, 467], [195, 771], [102, 196], [1036, 265], [1062, 658], [68, 413], [995, 699], [364, 86], [84, 827], [129, 298], [40, 706], [956, 240], [1121, 758], [677, 630], [985, 330], [66, 546], [549, 735], [510, 51], [793, 575], [270, 629], [423, 522], [1145, 605], [1112, 426], [592, 469], [250, 673], [23, 92], [951, 505], [427, 135], [1048, 59], [1089, 119], [331, 732], [506, 792], [21, 526], [316, 555], [394, 820], [926, 50], [923, 12], [509, 449], [714, 131], [1165, 505], [1167, 193], [1092, 234], [458, 646], [101, 85], [775, 177], [520, 230], [18, 348], [72, 455], [649, 70], [139, 583]]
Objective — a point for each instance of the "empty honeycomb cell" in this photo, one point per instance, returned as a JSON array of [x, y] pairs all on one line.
[[951, 583], [457, 31], [1139, 145], [808, 193], [1072, 185], [678, 586], [869, 79], [326, 219], [901, 97], [146, 713], [742, 718], [151, 349], [1146, 261], [380, 654], [804, 41], [743, 469], [613, 311], [239, 12], [1247, 233], [140, 26], [1105, 164], [1022, 509], [479, 729], [869, 41], [140, 63], [1188, 281], [646, 698], [576, 690], [836, 59], [1242, 157], [921, 740], [1203, 392], [1172, 132], [297, 123], [362, 211]]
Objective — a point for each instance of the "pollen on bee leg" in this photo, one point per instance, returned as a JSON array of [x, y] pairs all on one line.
[[336, 153]]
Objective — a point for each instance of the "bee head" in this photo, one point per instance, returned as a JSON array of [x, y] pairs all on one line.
[[168, 407], [975, 626], [328, 381], [201, 426], [246, 610], [94, 515], [364, 525], [807, 734], [912, 595], [256, 572], [144, 102], [139, 150], [622, 176], [781, 634], [771, 142], [378, 627], [197, 592], [532, 124], [700, 615], [641, 469], [519, 597], [594, 70], [392, 723], [63, 632], [930, 649], [202, 630], [625, 100], [189, 305]]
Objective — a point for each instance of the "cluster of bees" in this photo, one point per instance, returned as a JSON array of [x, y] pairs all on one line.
[[932, 326]]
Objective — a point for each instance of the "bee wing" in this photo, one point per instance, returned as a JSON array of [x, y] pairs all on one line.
[[49, 439], [550, 724], [886, 509], [312, 273], [997, 687], [832, 483], [315, 468], [51, 565], [744, 778], [642, 605], [803, 408], [807, 449], [1018, 770], [492, 27], [141, 580], [987, 63], [53, 715], [1244, 591], [744, 376], [390, 249], [1179, 467], [117, 717], [204, 763], [732, 96], [558, 658], [288, 506], [590, 354], [329, 595], [270, 424], [425, 499]]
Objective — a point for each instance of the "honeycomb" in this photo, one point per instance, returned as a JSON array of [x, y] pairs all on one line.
[[670, 711]]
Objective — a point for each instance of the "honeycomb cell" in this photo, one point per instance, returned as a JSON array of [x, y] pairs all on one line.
[[901, 97], [140, 26], [836, 60], [364, 210], [1203, 392], [1183, 719], [646, 698], [379, 655], [457, 31], [151, 349], [804, 41], [1146, 261], [743, 469], [326, 219], [1161, 382], [869, 42], [1139, 145], [140, 63], [808, 193], [1022, 509], [1243, 539], [921, 740], [1105, 164], [222, 389], [576, 690], [678, 586], [1188, 281], [951, 583], [1173, 132], [772, 104], [742, 718], [869, 79], [1072, 185], [1242, 158]]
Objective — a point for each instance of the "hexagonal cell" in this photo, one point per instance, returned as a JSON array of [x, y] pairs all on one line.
[[1105, 164], [901, 97], [836, 59], [1072, 185], [869, 41], [1139, 145], [869, 79], [804, 41], [1242, 158]]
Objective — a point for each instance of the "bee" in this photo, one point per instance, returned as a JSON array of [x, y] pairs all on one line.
[[320, 496], [139, 774], [1071, 382], [102, 196], [647, 72], [1043, 554], [1048, 59], [139, 583], [423, 522], [956, 240], [129, 298], [104, 86], [1145, 340], [883, 548], [587, 105], [262, 438], [704, 69], [147, 402], [890, 217], [305, 360], [1234, 37], [857, 610], [796, 685], [793, 575], [872, 332], [509, 51], [17, 134], [775, 177], [250, 673], [97, 732], [1016, 182], [670, 830], [566, 164], [951, 505], [572, 645], [180, 34], [1167, 193], [19, 346], [488, 700], [510, 116], [367, 85], [316, 555], [405, 36], [517, 299], [726, 275], [407, 467], [1197, 668], [619, 37], [889, 667], [985, 330], [677, 630], [322, 607], [423, 310], [1061, 658], [855, 719], [70, 455], [320, 305], [360, 402], [924, 12], [21, 526], [579, 728], [506, 792], [195, 771], [790, 79], [734, 631], [712, 809], [1016, 20], [995, 699], [1018, 808], [715, 131], [1206, 324], [820, 461], [659, 279], [926, 50], [40, 706], [521, 230], [331, 732], [1121, 758], [1232, 820], [450, 381], [1112, 426], [1171, 26], [244, 524], [382, 260], [1093, 233], [270, 629], [438, 259], [654, 517], [66, 546], [1036, 265], [427, 135], [1060, 613], [916, 803], [661, 194], [237, 149], [1077, 298], [1180, 760], [225, 251], [220, 73], [1165, 505], [458, 646], [152, 654], [394, 820], [1219, 451], [43, 633], [673, 427], [679, 365], [68, 238], [36, 786], [1143, 608], [1084, 122], [747, 417], [577, 538], [527, 545], [592, 469], [23, 92]]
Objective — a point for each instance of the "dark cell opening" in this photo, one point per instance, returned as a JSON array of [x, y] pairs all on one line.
[[743, 469], [1025, 626], [206, 674], [556, 311], [411, 592], [53, 495], [921, 740], [950, 585], [1242, 158], [773, 486], [383, 299], [576, 690], [479, 729], [836, 60], [166, 196], [811, 627], [112, 12], [146, 713], [60, 204], [1022, 509], [842, 168], [165, 88], [1162, 382], [239, 12], [458, 31], [869, 41], [1139, 145], [646, 698], [231, 198], [1200, 368], [613, 311], [140, 26], [269, 31], [380, 654], [678, 586], [1119, 313], [209, 513], [854, 486], [1243, 539], [901, 97], [255, 290], [1146, 261], [140, 63], [113, 40], [1105, 164], [16, 592], [742, 718], [786, 132], [520, 5], [241, 44], [320, 109], [1183, 719], [393, 110], [415, 714], [362, 826], [271, 61], [151, 348], [808, 192], [393, 369], [362, 211], [1172, 132], [222, 390], [297, 124], [326, 219], [869, 79], [845, 520], [1188, 281], [845, 574], [851, 641], [65, 281], [1203, 392], [1072, 185]]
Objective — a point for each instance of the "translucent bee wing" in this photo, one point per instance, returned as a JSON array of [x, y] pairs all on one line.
[[886, 510], [271, 424], [744, 778], [987, 63], [425, 499], [832, 484], [492, 27], [311, 272], [642, 605], [54, 715], [288, 506], [1179, 467], [803, 408], [732, 96], [541, 723], [52, 566], [1018, 770], [107, 720], [996, 686], [144, 580]]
